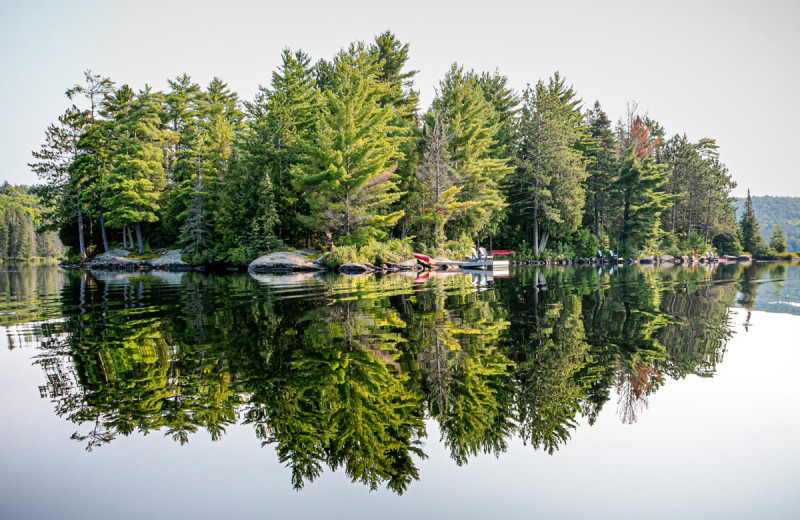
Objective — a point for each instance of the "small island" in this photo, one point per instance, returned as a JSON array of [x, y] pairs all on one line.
[[334, 160]]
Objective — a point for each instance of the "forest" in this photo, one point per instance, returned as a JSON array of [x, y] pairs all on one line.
[[783, 212], [19, 215], [338, 155]]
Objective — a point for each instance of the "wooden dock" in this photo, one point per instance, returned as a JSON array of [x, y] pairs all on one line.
[[484, 265]]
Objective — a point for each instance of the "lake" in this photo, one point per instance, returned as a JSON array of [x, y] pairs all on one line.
[[551, 392]]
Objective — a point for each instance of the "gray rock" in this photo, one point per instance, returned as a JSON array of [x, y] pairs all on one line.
[[170, 261], [115, 259], [647, 260], [354, 268], [282, 262], [667, 259], [405, 265], [744, 258]]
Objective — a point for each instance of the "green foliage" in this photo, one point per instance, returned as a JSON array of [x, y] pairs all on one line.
[[777, 241], [348, 166], [751, 239], [781, 211], [337, 152], [376, 252], [464, 112], [547, 194]]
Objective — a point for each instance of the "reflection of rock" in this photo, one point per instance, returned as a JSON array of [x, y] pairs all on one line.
[[282, 262], [124, 278], [171, 261], [286, 278]]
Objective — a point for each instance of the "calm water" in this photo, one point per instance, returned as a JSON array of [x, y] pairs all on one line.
[[556, 392]]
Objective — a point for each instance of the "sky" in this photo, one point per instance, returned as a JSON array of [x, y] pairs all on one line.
[[722, 69]]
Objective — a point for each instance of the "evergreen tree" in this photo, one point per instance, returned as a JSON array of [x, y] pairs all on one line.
[[642, 184], [505, 103], [137, 177], [777, 241], [547, 190], [438, 186], [282, 121], [462, 106], [60, 192], [600, 151], [349, 164], [748, 226]]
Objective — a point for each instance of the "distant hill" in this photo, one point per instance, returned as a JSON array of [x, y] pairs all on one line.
[[784, 211]]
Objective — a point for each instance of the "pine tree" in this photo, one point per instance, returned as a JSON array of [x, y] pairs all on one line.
[[602, 170], [282, 120], [505, 103], [349, 164], [748, 226], [547, 191], [642, 182], [438, 189], [137, 178], [60, 192], [462, 106]]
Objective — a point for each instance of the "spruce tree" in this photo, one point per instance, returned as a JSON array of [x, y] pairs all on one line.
[[642, 182], [751, 239]]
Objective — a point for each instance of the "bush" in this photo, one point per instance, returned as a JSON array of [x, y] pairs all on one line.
[[584, 243], [373, 251], [458, 249]]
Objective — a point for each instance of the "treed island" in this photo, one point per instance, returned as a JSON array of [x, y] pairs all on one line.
[[337, 156]]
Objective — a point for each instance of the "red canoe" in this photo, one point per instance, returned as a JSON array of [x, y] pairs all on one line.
[[423, 258]]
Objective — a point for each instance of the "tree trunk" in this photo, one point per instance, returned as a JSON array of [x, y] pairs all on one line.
[[139, 237], [125, 236], [103, 232], [81, 242], [130, 237]]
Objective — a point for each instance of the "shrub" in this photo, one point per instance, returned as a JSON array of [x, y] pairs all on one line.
[[372, 251]]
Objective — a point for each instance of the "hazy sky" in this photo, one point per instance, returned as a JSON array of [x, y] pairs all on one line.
[[727, 70]]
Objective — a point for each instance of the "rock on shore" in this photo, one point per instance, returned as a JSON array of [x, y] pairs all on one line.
[[282, 262], [170, 261]]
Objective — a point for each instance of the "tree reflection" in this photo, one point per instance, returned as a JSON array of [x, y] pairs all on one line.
[[343, 372]]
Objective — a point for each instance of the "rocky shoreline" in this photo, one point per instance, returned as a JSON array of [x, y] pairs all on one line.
[[117, 260], [299, 262]]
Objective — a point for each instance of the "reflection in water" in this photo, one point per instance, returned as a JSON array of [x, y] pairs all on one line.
[[344, 372]]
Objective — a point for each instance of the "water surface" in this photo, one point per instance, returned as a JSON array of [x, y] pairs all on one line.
[[555, 392]]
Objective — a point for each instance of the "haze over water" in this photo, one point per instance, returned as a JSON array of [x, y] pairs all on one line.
[[561, 392]]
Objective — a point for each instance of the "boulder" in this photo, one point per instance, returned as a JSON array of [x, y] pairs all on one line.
[[282, 262], [405, 265], [744, 258], [354, 268], [667, 259], [647, 260], [115, 259], [170, 261]]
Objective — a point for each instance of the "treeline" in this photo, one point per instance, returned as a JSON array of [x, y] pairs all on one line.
[[780, 212], [18, 236], [338, 153]]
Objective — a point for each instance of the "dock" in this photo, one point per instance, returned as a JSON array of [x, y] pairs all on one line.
[[501, 265]]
